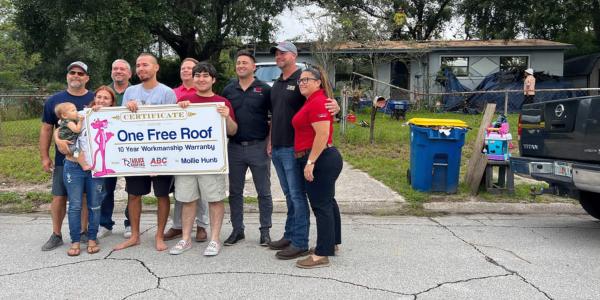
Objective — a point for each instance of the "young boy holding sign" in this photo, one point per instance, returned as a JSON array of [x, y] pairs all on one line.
[[210, 187]]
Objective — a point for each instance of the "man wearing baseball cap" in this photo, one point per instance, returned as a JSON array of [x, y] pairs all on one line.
[[286, 101], [529, 86], [76, 93]]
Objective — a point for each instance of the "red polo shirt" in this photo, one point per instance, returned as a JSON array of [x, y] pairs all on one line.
[[312, 111], [194, 98], [181, 91]]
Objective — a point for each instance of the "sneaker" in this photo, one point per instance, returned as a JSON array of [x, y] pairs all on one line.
[[53, 242], [180, 247], [83, 237], [104, 232], [265, 238], [212, 249], [291, 252], [234, 237], [280, 244], [127, 233], [172, 234]]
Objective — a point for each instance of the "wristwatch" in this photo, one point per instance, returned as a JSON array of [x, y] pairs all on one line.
[[309, 162]]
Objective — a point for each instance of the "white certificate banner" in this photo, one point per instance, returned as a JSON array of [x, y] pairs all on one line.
[[157, 140]]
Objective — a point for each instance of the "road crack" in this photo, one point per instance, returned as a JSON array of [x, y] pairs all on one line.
[[491, 260]]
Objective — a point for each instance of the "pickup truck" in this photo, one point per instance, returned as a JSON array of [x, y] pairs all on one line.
[[559, 142]]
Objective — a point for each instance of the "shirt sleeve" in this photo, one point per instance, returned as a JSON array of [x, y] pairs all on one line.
[[127, 96], [317, 112], [231, 112], [48, 115], [171, 98]]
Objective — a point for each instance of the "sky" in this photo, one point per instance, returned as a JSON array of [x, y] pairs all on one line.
[[295, 24]]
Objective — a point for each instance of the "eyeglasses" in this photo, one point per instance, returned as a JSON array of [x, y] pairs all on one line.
[[80, 74], [305, 80]]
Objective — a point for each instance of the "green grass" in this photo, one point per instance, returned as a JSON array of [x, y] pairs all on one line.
[[149, 200], [13, 202], [388, 159], [9, 198], [19, 133]]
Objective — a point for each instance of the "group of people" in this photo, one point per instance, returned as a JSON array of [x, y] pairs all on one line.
[[290, 124]]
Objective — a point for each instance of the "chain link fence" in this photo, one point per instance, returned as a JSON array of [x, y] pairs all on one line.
[[20, 116]]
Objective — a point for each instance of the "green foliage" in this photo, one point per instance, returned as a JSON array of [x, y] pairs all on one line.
[[97, 32], [14, 60], [9, 198]]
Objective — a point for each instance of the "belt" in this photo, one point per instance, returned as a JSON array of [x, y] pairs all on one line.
[[248, 143], [303, 153]]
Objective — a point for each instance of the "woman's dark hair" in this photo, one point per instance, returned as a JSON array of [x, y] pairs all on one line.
[[319, 73], [107, 89], [206, 68]]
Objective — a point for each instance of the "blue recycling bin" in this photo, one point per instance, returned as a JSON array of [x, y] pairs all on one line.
[[435, 158]]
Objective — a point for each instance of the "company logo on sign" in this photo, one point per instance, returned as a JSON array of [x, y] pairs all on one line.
[[137, 162], [158, 161]]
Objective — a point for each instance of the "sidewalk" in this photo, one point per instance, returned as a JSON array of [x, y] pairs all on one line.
[[356, 192]]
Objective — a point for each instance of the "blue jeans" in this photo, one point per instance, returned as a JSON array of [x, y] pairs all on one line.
[[108, 204], [77, 182], [291, 179]]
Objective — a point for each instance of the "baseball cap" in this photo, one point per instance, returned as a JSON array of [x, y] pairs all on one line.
[[80, 64], [529, 71], [284, 46]]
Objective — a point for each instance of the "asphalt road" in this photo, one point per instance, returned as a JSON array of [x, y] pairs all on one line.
[[450, 257]]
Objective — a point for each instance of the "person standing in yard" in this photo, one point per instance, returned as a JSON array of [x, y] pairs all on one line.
[[76, 93], [120, 74], [189, 189], [149, 92], [184, 90], [321, 163], [251, 103], [286, 101], [529, 86]]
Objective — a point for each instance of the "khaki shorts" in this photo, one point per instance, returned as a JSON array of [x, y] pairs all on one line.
[[210, 187]]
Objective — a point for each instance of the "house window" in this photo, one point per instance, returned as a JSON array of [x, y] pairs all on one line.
[[514, 63], [459, 65]]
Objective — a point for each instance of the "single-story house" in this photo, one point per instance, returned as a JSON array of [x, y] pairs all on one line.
[[414, 65], [583, 71]]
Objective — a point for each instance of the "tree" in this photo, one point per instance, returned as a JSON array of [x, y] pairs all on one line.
[[14, 61], [403, 19], [122, 29]]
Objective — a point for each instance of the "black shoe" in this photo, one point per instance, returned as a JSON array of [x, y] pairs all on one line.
[[291, 252], [280, 244], [53, 242], [234, 237], [265, 238]]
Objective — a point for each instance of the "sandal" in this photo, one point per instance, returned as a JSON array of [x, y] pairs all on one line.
[[92, 248], [74, 250]]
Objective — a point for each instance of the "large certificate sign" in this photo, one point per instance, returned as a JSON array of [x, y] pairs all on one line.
[[157, 140]]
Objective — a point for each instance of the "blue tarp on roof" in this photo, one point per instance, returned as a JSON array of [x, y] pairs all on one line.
[[509, 80]]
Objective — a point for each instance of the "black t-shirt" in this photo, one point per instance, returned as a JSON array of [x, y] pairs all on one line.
[[286, 101], [251, 108]]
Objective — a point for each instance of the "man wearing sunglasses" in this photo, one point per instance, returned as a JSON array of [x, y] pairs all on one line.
[[76, 93]]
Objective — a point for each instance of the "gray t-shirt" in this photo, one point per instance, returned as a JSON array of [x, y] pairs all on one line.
[[161, 94]]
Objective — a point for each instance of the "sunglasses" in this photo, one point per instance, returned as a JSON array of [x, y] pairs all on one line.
[[80, 74], [305, 80]]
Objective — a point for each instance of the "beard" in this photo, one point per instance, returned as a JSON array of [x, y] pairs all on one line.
[[75, 84]]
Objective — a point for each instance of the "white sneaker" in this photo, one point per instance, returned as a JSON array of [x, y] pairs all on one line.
[[180, 247], [212, 249], [127, 233], [103, 232]]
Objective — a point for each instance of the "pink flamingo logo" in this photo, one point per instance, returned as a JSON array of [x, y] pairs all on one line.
[[102, 137]]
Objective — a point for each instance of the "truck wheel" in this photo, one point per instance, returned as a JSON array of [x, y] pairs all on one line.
[[590, 203]]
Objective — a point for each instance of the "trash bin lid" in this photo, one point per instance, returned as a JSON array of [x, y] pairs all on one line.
[[426, 122]]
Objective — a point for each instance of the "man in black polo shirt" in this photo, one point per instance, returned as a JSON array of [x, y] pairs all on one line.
[[286, 101], [251, 103]]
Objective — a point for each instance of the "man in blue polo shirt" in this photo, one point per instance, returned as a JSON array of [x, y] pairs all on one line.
[[76, 93], [251, 101]]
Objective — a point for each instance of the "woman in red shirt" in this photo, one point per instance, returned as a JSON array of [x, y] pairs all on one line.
[[321, 162]]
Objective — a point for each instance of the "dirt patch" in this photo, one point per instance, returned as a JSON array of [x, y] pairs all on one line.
[[11, 185]]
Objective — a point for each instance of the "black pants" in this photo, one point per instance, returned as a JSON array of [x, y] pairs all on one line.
[[528, 99], [321, 195]]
